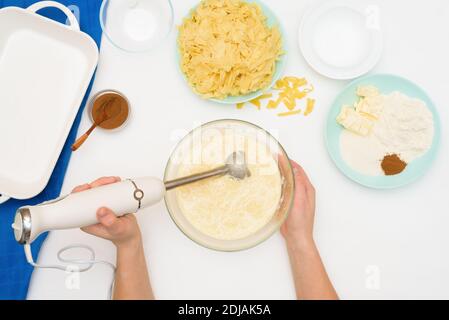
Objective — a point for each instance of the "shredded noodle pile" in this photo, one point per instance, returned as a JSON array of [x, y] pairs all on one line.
[[227, 49]]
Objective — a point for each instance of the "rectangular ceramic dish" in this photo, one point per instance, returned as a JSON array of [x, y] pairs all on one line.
[[45, 70]]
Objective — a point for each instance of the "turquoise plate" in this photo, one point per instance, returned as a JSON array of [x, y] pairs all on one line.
[[386, 84], [280, 64]]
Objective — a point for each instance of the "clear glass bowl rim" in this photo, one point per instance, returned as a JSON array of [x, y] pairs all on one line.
[[103, 28], [290, 172]]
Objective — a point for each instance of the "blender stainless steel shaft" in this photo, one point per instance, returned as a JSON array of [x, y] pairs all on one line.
[[235, 166]]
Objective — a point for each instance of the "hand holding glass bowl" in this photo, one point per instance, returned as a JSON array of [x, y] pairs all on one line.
[[247, 130]]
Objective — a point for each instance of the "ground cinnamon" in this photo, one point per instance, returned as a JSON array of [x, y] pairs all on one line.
[[392, 165], [118, 107]]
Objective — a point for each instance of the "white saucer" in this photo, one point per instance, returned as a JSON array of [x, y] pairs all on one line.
[[341, 39]]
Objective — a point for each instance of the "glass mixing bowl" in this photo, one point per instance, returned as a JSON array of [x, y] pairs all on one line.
[[245, 129], [136, 25]]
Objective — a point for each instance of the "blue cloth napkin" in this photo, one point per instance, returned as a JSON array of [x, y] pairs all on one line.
[[15, 273]]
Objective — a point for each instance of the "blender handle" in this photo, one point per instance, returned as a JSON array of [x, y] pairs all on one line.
[[79, 210]]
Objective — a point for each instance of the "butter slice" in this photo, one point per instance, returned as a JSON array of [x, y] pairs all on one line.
[[354, 121], [371, 106], [367, 91]]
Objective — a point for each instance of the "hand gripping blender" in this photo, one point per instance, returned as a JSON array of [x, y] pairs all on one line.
[[79, 210]]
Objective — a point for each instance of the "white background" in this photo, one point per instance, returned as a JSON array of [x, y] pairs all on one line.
[[402, 235]]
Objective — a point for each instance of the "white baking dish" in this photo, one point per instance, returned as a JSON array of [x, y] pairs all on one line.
[[45, 70]]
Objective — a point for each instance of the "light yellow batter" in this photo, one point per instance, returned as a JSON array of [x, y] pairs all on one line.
[[226, 208]]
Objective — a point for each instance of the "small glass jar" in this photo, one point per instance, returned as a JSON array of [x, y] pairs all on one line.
[[136, 25], [100, 94]]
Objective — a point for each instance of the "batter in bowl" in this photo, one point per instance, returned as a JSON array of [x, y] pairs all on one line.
[[223, 207]]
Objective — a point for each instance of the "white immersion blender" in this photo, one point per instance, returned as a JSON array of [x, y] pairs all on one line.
[[79, 210]]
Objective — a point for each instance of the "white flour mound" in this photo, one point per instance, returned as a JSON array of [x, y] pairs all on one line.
[[405, 128]]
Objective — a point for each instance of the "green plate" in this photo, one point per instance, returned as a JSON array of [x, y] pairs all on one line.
[[280, 64], [386, 84]]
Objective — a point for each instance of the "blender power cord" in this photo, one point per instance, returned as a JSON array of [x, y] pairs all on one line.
[[82, 265]]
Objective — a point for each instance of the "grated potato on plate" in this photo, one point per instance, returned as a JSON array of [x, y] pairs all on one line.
[[227, 49]]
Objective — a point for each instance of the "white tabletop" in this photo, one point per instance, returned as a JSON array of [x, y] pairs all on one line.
[[375, 244]]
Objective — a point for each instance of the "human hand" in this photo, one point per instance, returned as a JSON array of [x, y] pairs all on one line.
[[121, 231], [298, 228]]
